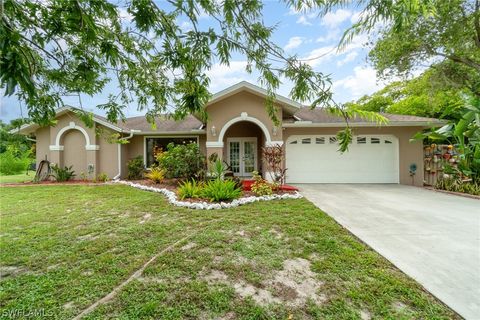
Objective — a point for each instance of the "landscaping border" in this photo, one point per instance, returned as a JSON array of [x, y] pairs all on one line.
[[172, 198]]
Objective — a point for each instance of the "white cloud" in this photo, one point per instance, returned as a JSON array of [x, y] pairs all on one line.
[[363, 81], [304, 21], [186, 26], [124, 14], [348, 58], [332, 35], [293, 42], [319, 55], [222, 76], [334, 19], [355, 17]]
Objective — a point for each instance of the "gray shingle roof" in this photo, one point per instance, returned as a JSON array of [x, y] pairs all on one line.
[[163, 124], [320, 115]]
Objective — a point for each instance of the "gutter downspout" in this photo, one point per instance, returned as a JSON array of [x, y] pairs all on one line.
[[119, 153]]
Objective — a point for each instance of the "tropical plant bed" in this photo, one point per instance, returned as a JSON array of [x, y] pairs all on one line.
[[202, 204]]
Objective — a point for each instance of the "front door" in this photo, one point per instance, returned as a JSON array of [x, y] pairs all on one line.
[[242, 155]]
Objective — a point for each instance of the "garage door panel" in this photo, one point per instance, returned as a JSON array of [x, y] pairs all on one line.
[[365, 162]]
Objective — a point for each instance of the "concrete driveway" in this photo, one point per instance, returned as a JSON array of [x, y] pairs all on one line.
[[433, 237]]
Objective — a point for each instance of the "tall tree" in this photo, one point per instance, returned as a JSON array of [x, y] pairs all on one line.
[[447, 41], [50, 49], [422, 96]]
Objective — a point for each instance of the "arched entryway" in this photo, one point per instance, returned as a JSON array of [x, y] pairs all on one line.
[[242, 150], [74, 153]]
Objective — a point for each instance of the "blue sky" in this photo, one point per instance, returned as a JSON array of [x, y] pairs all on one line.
[[306, 35]]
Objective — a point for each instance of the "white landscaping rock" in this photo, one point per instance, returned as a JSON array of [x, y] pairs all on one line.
[[172, 198]]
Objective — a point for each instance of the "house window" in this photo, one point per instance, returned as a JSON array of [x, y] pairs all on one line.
[[361, 140], [333, 140], [374, 140], [306, 141], [294, 142], [388, 141], [320, 140], [155, 145]]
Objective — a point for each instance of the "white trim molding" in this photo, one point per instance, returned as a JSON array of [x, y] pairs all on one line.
[[243, 117], [214, 144], [92, 147], [56, 148], [73, 126]]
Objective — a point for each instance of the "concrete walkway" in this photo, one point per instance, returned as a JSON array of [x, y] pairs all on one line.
[[433, 237]]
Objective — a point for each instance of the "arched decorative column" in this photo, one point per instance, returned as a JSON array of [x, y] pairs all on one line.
[[57, 149], [243, 117]]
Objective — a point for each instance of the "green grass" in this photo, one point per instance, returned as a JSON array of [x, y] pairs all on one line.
[[18, 178], [68, 246]]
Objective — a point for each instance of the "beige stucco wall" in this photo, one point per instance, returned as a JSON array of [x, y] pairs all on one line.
[[221, 112], [74, 153], [409, 152], [108, 153], [105, 160], [42, 145]]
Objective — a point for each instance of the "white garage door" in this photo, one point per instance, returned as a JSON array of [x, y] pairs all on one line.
[[316, 159]]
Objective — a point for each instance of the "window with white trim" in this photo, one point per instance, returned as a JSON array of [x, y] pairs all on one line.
[[374, 140], [306, 140], [155, 145]]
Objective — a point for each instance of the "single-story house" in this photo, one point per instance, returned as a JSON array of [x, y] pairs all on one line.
[[237, 127]]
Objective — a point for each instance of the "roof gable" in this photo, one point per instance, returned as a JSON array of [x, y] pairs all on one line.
[[287, 104]]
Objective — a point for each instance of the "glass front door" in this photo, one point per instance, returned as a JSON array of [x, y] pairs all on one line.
[[242, 155]]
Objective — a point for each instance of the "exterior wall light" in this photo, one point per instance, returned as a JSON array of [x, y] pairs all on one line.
[[213, 130], [274, 131]]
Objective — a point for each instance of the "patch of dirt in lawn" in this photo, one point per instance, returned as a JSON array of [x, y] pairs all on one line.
[[293, 285], [227, 316], [297, 276], [68, 305], [188, 246], [87, 237], [242, 233], [11, 271], [145, 218], [259, 295], [277, 234], [365, 315], [216, 276]]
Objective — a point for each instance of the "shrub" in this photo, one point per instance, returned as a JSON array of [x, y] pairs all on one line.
[[12, 161], [457, 185], [217, 169], [190, 189], [274, 158], [62, 174], [221, 190], [156, 175], [102, 177], [261, 187], [184, 161], [135, 168]]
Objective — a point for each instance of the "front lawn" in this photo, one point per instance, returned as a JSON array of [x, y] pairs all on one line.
[[18, 178], [64, 247]]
